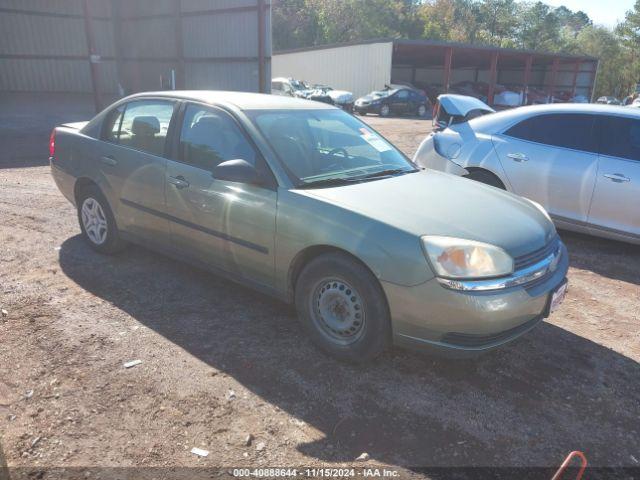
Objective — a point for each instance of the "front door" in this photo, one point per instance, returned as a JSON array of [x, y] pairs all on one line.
[[552, 159], [617, 193], [227, 225], [399, 101]]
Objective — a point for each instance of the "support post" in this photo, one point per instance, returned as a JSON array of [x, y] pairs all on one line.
[[528, 65], [116, 20], [91, 52], [554, 77], [448, 61], [576, 71], [493, 77], [261, 45], [181, 75]]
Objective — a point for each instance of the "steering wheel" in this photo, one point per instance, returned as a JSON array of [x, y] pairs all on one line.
[[339, 150], [332, 154]]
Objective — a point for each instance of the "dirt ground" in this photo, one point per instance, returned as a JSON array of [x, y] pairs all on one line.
[[221, 363]]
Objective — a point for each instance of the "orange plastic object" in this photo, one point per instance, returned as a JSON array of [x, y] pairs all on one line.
[[566, 463]]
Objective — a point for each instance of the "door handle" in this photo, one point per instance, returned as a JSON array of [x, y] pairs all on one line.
[[518, 157], [179, 182], [109, 160], [617, 177]]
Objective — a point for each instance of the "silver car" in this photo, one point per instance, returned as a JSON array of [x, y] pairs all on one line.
[[580, 162], [305, 202]]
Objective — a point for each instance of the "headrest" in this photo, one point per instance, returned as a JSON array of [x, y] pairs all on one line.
[[146, 126]]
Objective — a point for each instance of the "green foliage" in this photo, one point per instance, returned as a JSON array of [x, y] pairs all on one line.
[[531, 25]]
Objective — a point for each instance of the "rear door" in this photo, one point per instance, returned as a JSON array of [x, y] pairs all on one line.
[[617, 194], [227, 225], [553, 160], [132, 159]]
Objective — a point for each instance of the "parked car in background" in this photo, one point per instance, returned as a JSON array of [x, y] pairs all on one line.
[[325, 94], [305, 202], [452, 109], [287, 87], [395, 99], [580, 162], [608, 101]]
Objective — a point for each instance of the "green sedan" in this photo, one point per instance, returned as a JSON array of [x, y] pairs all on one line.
[[306, 203]]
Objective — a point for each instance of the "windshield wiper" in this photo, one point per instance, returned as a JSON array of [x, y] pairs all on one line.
[[387, 173], [328, 182]]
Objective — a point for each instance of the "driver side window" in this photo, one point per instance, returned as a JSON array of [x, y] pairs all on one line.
[[210, 136]]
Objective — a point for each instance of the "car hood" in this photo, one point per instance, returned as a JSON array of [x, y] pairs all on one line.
[[369, 98], [340, 96], [434, 203]]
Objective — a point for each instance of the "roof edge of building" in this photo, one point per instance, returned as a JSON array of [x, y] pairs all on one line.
[[438, 43]]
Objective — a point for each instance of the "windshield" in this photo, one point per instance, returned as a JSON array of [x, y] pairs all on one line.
[[328, 145], [382, 93]]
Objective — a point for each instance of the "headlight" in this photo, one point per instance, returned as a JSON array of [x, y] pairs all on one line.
[[459, 258]]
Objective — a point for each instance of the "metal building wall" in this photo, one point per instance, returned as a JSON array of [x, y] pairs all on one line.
[[211, 44], [43, 46], [206, 44], [356, 68]]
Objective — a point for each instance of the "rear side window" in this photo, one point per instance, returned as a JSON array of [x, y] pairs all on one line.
[[111, 125], [621, 137], [566, 130], [141, 125]]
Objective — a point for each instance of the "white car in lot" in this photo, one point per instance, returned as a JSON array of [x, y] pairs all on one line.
[[580, 162]]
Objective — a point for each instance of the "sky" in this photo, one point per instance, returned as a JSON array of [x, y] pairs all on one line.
[[602, 12]]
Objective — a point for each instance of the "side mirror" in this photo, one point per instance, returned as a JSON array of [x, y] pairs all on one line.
[[239, 171]]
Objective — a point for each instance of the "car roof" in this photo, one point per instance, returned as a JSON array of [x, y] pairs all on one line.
[[240, 100], [496, 121]]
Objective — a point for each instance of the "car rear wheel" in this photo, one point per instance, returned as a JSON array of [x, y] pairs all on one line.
[[385, 111], [343, 308], [484, 176], [422, 110], [97, 222]]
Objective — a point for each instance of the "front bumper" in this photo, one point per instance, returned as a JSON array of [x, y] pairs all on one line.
[[366, 108], [430, 316]]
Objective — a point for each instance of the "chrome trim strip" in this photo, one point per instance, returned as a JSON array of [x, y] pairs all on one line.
[[521, 277]]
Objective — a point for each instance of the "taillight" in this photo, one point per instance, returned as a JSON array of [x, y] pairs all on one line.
[[52, 144]]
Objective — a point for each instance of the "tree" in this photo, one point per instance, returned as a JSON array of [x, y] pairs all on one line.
[[617, 73]]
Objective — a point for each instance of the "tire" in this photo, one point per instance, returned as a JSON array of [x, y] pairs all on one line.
[[422, 111], [343, 308], [97, 222], [486, 177], [385, 111]]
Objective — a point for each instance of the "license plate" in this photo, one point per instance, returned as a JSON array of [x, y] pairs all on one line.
[[558, 297]]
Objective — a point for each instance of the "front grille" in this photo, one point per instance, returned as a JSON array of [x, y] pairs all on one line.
[[532, 258], [474, 341]]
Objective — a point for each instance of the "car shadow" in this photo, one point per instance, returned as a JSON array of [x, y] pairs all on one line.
[[527, 404], [609, 258]]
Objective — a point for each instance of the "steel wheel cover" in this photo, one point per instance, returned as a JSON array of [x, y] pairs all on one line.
[[337, 310]]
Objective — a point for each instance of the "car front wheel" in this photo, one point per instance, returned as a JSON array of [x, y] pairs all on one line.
[[422, 110], [385, 111], [343, 308], [97, 222]]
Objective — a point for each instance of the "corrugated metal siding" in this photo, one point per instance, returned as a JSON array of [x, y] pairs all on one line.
[[58, 30], [196, 5], [233, 34], [223, 76], [153, 37], [45, 75], [30, 34], [356, 68]]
